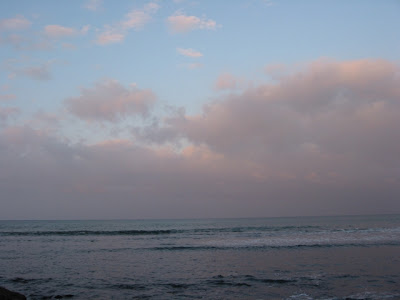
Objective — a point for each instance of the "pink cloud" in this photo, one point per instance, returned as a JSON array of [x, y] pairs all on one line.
[[328, 118], [17, 23], [24, 42], [109, 36], [58, 31], [108, 100], [134, 20], [226, 81], [181, 23], [6, 97], [320, 139]]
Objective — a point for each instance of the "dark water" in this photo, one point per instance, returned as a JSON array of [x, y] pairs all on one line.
[[277, 258]]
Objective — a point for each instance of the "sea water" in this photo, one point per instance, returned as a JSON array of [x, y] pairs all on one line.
[[355, 257]]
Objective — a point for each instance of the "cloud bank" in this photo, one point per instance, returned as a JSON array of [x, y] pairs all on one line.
[[320, 140]]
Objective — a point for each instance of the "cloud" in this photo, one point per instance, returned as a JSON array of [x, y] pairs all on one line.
[[7, 113], [110, 101], [134, 20], [23, 42], [58, 31], [329, 118], [226, 81], [192, 66], [16, 40], [85, 29], [93, 5], [68, 46], [110, 36], [268, 3], [189, 52], [6, 97], [17, 23], [119, 179], [40, 72], [137, 18], [181, 23], [23, 67], [276, 71], [323, 139]]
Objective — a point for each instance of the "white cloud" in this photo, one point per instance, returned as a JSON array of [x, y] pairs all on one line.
[[93, 5], [268, 3], [189, 52], [181, 23]]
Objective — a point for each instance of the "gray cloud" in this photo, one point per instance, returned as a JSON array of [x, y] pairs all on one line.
[[41, 72], [25, 43], [7, 113], [108, 100], [118, 179]]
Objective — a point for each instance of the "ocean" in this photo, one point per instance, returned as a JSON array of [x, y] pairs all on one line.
[[351, 257]]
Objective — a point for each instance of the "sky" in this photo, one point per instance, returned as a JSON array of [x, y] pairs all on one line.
[[199, 109]]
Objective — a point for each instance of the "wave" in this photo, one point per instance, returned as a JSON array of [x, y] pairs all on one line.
[[88, 233], [273, 230], [152, 232], [270, 247], [257, 228]]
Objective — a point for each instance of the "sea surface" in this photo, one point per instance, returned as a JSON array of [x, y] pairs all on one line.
[[355, 257]]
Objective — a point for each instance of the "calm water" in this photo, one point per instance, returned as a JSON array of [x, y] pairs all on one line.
[[276, 258]]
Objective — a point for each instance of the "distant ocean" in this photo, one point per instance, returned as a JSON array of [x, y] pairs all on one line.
[[355, 257]]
